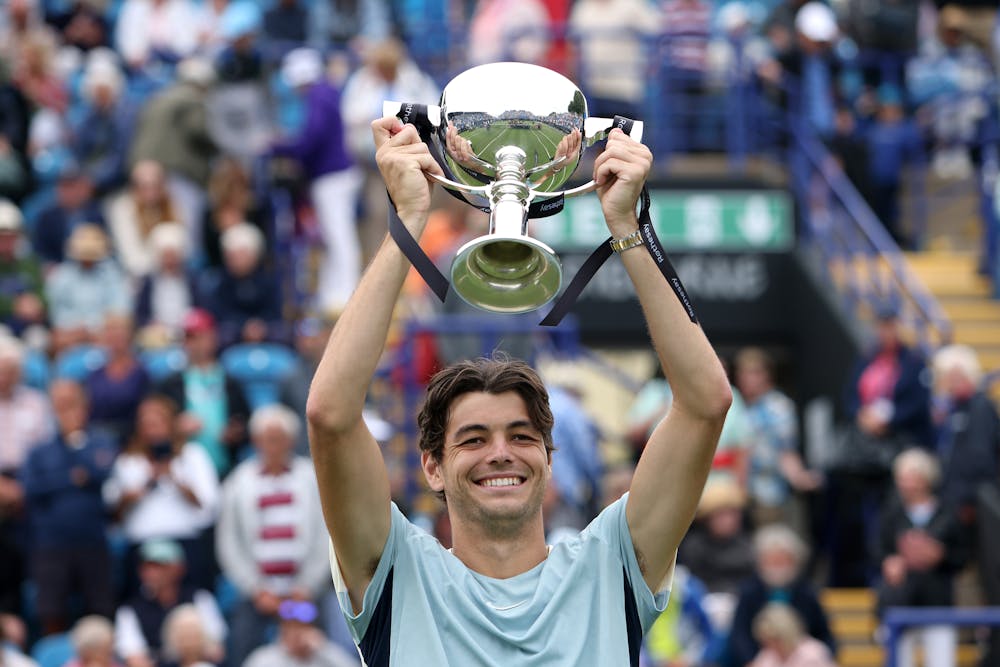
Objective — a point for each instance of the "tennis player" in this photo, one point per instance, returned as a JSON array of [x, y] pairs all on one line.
[[501, 597]]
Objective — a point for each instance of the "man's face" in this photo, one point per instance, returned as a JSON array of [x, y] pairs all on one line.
[[274, 446], [157, 576], [8, 244], [494, 467], [777, 567], [70, 406], [753, 380], [201, 345], [10, 375]]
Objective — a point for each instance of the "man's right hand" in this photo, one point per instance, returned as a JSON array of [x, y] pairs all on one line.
[[405, 162]]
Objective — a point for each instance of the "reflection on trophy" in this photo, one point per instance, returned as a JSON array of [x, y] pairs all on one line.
[[509, 135]]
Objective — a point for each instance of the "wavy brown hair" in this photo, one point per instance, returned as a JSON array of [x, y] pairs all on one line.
[[494, 375]]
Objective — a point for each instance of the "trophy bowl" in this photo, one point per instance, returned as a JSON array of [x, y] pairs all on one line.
[[508, 136]]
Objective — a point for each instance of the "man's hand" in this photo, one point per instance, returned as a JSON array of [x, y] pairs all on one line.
[[620, 172], [894, 570], [405, 163]]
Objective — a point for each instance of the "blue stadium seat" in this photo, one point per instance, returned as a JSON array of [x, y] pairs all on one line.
[[78, 362], [35, 370], [53, 651], [163, 362], [260, 368]]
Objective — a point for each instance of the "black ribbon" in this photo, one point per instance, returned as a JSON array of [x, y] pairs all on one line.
[[416, 114]]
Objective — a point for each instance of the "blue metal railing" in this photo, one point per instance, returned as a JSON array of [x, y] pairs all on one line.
[[860, 257], [898, 619]]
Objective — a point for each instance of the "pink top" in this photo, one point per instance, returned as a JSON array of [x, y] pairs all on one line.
[[810, 653]]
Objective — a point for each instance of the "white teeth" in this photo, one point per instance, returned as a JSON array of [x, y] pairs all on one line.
[[501, 481]]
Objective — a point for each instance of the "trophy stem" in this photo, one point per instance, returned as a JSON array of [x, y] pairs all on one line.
[[509, 194]]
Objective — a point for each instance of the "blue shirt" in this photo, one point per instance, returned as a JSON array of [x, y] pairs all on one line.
[[586, 604]]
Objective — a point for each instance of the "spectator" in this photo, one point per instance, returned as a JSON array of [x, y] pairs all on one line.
[[85, 289], [718, 549], [920, 549], [244, 295], [947, 79], [334, 181], [782, 636], [311, 335], [210, 20], [779, 27], [136, 212], [685, 31], [611, 38], [893, 143], [15, 117], [140, 621], [285, 23], [101, 135], [515, 30], [163, 487], [74, 205], [339, 26], [23, 21], [173, 130], [811, 62], [22, 301], [388, 73], [780, 555], [240, 59], [10, 656], [152, 30], [968, 442], [116, 389], [62, 488], [231, 202], [300, 643], [27, 420], [887, 399], [776, 469], [684, 634], [185, 642], [650, 407], [215, 404], [167, 293], [577, 474], [84, 26], [269, 529], [94, 643], [35, 72]]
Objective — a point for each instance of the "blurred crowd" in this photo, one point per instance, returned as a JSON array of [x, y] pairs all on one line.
[[188, 195]]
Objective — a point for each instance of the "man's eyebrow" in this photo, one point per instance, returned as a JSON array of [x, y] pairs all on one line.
[[470, 428]]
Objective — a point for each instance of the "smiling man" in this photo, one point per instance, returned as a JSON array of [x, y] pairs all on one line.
[[501, 596]]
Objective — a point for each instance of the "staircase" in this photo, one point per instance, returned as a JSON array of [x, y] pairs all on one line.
[[966, 297]]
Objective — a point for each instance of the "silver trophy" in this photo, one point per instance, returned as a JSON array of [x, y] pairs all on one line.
[[509, 136]]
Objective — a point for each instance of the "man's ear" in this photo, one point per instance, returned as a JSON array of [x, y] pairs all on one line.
[[432, 472]]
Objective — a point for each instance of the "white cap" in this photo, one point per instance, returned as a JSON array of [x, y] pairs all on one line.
[[817, 22], [242, 236], [11, 219], [301, 67], [169, 236], [196, 70]]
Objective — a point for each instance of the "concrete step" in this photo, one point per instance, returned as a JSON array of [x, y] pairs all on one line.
[[982, 335]]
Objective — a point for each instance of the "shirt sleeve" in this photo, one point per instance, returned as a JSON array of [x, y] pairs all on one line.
[[357, 623], [611, 526], [129, 640]]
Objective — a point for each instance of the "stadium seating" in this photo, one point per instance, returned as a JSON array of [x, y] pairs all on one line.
[[76, 363], [35, 370], [260, 368], [164, 361], [53, 651]]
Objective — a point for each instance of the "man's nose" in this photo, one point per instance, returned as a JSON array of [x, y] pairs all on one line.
[[499, 447]]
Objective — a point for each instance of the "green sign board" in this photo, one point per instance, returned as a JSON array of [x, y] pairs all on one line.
[[745, 220]]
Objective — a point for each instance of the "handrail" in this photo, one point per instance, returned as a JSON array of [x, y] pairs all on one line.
[[898, 619], [870, 240]]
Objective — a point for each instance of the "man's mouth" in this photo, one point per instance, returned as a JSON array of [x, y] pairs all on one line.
[[501, 481]]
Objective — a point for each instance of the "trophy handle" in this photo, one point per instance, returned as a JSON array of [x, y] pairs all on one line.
[[401, 110]]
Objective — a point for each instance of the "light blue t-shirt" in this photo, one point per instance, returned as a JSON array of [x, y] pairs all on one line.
[[587, 604]]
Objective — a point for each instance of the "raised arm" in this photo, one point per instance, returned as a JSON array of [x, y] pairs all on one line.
[[353, 483], [675, 462]]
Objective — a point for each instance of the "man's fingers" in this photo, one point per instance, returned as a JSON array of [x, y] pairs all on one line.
[[384, 128]]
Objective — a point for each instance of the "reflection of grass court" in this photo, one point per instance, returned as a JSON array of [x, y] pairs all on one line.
[[539, 144]]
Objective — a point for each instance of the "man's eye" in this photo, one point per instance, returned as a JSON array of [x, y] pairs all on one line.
[[472, 441]]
